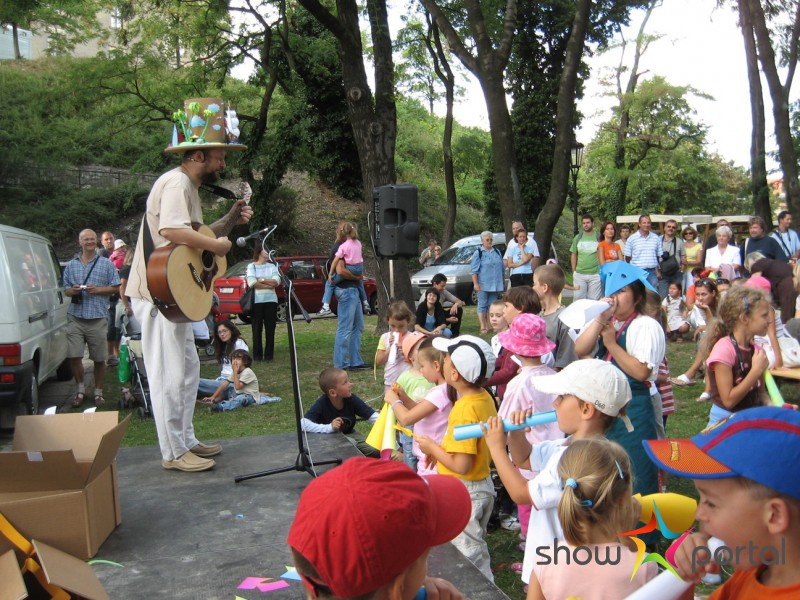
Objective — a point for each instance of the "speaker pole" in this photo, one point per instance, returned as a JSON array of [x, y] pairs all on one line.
[[391, 279]]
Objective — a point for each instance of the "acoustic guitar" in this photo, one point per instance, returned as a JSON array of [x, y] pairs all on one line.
[[181, 279]]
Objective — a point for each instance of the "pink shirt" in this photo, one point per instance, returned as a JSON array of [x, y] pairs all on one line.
[[434, 425], [593, 581], [350, 252], [520, 395]]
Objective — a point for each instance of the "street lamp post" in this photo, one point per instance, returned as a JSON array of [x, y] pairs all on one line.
[[576, 157]]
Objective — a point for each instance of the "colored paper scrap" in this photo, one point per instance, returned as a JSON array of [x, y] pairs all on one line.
[[251, 583], [271, 587], [291, 573]]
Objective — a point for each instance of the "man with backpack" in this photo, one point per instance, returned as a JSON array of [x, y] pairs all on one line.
[[673, 258]]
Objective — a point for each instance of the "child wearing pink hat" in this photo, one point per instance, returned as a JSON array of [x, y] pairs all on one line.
[[526, 339]]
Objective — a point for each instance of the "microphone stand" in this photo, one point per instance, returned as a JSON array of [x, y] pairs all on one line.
[[303, 462]]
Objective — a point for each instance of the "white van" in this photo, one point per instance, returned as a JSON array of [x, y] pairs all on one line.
[[33, 321]]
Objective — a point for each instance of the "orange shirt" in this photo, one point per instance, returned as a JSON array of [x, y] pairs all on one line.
[[744, 585], [611, 250]]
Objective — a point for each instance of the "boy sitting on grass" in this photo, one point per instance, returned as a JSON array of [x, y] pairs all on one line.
[[337, 408], [749, 499], [245, 385]]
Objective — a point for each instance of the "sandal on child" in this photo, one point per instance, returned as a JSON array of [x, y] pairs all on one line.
[[683, 379], [99, 400], [704, 397], [78, 401]]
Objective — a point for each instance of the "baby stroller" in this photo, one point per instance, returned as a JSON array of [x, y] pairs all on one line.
[[203, 330], [136, 394]]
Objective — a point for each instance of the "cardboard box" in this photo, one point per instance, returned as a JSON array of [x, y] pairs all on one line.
[[59, 484]]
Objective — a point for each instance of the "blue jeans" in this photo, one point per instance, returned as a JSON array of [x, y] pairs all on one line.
[[237, 401], [208, 386], [329, 287], [485, 300], [348, 330], [652, 278]]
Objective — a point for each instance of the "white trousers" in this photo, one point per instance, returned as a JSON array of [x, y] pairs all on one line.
[[471, 542], [173, 373], [589, 286]]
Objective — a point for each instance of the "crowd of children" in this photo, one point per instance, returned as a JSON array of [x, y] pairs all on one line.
[[572, 478]]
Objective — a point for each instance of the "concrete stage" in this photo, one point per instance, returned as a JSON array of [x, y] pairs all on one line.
[[199, 535]]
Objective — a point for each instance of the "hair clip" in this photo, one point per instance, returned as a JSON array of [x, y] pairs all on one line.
[[586, 502], [570, 482], [746, 305], [619, 469]]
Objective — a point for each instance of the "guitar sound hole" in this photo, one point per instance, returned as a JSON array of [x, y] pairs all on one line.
[[208, 260]]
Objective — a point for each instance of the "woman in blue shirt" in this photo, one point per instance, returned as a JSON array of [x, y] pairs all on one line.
[[264, 277]]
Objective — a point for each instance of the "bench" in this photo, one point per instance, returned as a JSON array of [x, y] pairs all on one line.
[[786, 373]]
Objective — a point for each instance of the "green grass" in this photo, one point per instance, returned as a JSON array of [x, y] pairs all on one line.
[[315, 352]]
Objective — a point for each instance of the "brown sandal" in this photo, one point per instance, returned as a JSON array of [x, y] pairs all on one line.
[[99, 400], [78, 401]]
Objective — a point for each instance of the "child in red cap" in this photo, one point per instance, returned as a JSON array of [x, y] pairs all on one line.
[[364, 530]]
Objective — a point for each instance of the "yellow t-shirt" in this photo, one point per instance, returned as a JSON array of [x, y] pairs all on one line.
[[468, 410]]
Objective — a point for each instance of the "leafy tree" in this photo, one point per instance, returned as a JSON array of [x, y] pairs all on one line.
[[785, 15], [65, 22]]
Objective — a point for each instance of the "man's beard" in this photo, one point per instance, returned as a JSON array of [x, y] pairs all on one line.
[[211, 177]]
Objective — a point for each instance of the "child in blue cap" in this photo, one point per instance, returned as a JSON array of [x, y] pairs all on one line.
[[746, 470]]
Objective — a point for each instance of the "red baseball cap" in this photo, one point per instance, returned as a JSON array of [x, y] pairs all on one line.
[[365, 522]]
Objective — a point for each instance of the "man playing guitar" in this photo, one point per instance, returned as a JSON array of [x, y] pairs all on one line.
[[172, 214]]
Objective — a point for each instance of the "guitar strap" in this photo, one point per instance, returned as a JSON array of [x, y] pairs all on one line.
[[149, 246]]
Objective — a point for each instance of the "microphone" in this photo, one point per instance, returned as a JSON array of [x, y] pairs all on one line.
[[267, 231]]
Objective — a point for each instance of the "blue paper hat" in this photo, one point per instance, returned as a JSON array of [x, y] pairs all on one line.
[[618, 274]]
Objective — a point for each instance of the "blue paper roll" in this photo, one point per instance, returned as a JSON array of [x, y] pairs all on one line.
[[468, 432]]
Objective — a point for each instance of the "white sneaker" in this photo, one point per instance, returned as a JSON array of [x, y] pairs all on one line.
[[510, 523], [325, 310], [712, 579]]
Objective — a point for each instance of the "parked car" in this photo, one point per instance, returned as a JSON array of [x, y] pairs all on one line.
[[33, 321], [454, 263], [308, 275]]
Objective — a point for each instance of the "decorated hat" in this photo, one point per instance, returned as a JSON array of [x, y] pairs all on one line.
[[618, 274], [527, 336], [410, 341], [204, 125], [761, 444]]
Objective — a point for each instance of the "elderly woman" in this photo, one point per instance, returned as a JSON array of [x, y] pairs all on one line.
[[487, 277], [724, 257]]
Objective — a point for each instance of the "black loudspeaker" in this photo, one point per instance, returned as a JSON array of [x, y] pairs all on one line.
[[396, 221]]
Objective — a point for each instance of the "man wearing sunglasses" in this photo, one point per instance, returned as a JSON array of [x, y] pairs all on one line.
[[673, 258]]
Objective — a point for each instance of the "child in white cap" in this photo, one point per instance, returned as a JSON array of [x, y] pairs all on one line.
[[591, 394], [467, 365]]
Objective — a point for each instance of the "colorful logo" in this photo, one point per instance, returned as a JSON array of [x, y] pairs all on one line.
[[656, 522]]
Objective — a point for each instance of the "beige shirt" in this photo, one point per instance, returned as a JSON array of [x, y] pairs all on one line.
[[173, 203], [250, 383]]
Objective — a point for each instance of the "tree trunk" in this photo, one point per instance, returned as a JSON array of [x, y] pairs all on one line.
[[780, 102], [758, 163], [15, 34], [488, 64], [374, 119], [443, 71], [565, 124], [504, 156]]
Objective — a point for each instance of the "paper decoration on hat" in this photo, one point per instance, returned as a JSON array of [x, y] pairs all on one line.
[[581, 312], [202, 125], [618, 274]]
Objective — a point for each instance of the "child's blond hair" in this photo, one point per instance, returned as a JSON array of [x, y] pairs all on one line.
[[596, 502], [738, 301], [430, 354], [552, 276], [399, 311], [350, 231]]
